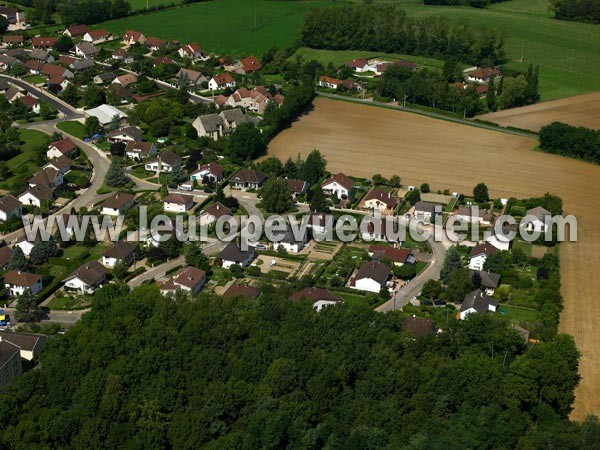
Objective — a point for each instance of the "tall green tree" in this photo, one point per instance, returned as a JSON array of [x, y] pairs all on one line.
[[480, 193], [17, 260], [275, 196], [452, 262], [115, 176], [490, 96], [246, 143], [313, 168], [318, 201]]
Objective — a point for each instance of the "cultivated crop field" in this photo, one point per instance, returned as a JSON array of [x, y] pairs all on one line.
[[581, 110], [363, 140]]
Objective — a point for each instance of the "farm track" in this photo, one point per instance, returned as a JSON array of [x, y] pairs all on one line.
[[362, 140]]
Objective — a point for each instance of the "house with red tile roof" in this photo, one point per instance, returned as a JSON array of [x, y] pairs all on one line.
[[43, 42], [96, 36], [132, 37], [221, 81]]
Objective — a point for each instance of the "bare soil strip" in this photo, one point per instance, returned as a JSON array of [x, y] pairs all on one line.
[[581, 110], [362, 140]]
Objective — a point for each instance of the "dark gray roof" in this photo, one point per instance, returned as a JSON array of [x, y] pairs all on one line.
[[374, 270], [234, 253], [39, 54], [234, 115], [290, 238], [425, 207], [489, 279], [7, 352], [87, 49], [82, 64], [479, 301], [24, 341], [418, 327], [211, 122], [249, 176], [483, 249]]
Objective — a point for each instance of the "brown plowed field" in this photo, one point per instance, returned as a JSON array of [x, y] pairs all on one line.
[[363, 140], [581, 110]]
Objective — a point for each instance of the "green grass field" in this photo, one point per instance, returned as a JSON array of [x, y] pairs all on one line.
[[142, 5], [71, 127], [236, 27]]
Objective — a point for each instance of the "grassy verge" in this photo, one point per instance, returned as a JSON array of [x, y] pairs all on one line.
[[72, 127]]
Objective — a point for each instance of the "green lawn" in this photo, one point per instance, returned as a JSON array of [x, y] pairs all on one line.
[[143, 5], [30, 140], [75, 252], [73, 128], [517, 314], [35, 79]]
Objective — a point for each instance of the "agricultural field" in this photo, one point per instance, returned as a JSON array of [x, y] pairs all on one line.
[[364, 140], [581, 110]]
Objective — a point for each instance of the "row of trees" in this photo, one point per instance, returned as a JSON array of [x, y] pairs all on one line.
[[92, 11], [473, 3], [567, 140], [148, 372], [376, 27], [577, 10]]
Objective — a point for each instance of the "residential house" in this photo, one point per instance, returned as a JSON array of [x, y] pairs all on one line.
[[246, 179], [96, 36], [418, 327], [193, 51], [187, 279], [86, 50], [34, 67], [120, 93], [125, 135], [17, 283], [247, 65], [479, 254], [122, 55], [86, 278], [477, 302], [399, 256], [49, 177], [471, 214], [122, 252], [117, 203], [12, 15], [297, 187], [104, 78], [214, 212], [154, 43], [4, 85], [424, 211], [339, 185], [483, 75], [41, 55], [140, 150], [106, 114], [178, 203], [381, 201], [291, 242], [13, 39], [191, 78], [161, 60], [211, 173], [239, 290], [51, 71], [371, 277], [43, 42], [233, 254], [255, 100], [36, 195], [359, 65], [76, 31], [13, 94], [334, 83], [65, 60], [57, 84], [30, 345], [216, 126], [132, 37], [221, 81], [164, 163], [7, 62], [9, 207], [537, 221], [489, 281], [32, 103], [62, 164], [10, 360], [81, 65], [63, 147], [320, 223], [319, 297], [126, 79]]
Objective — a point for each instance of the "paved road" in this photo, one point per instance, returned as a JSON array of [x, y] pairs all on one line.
[[413, 287], [65, 318], [431, 114], [64, 108]]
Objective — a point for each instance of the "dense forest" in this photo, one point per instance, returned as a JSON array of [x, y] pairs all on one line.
[[577, 10], [377, 27], [567, 140], [144, 372]]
